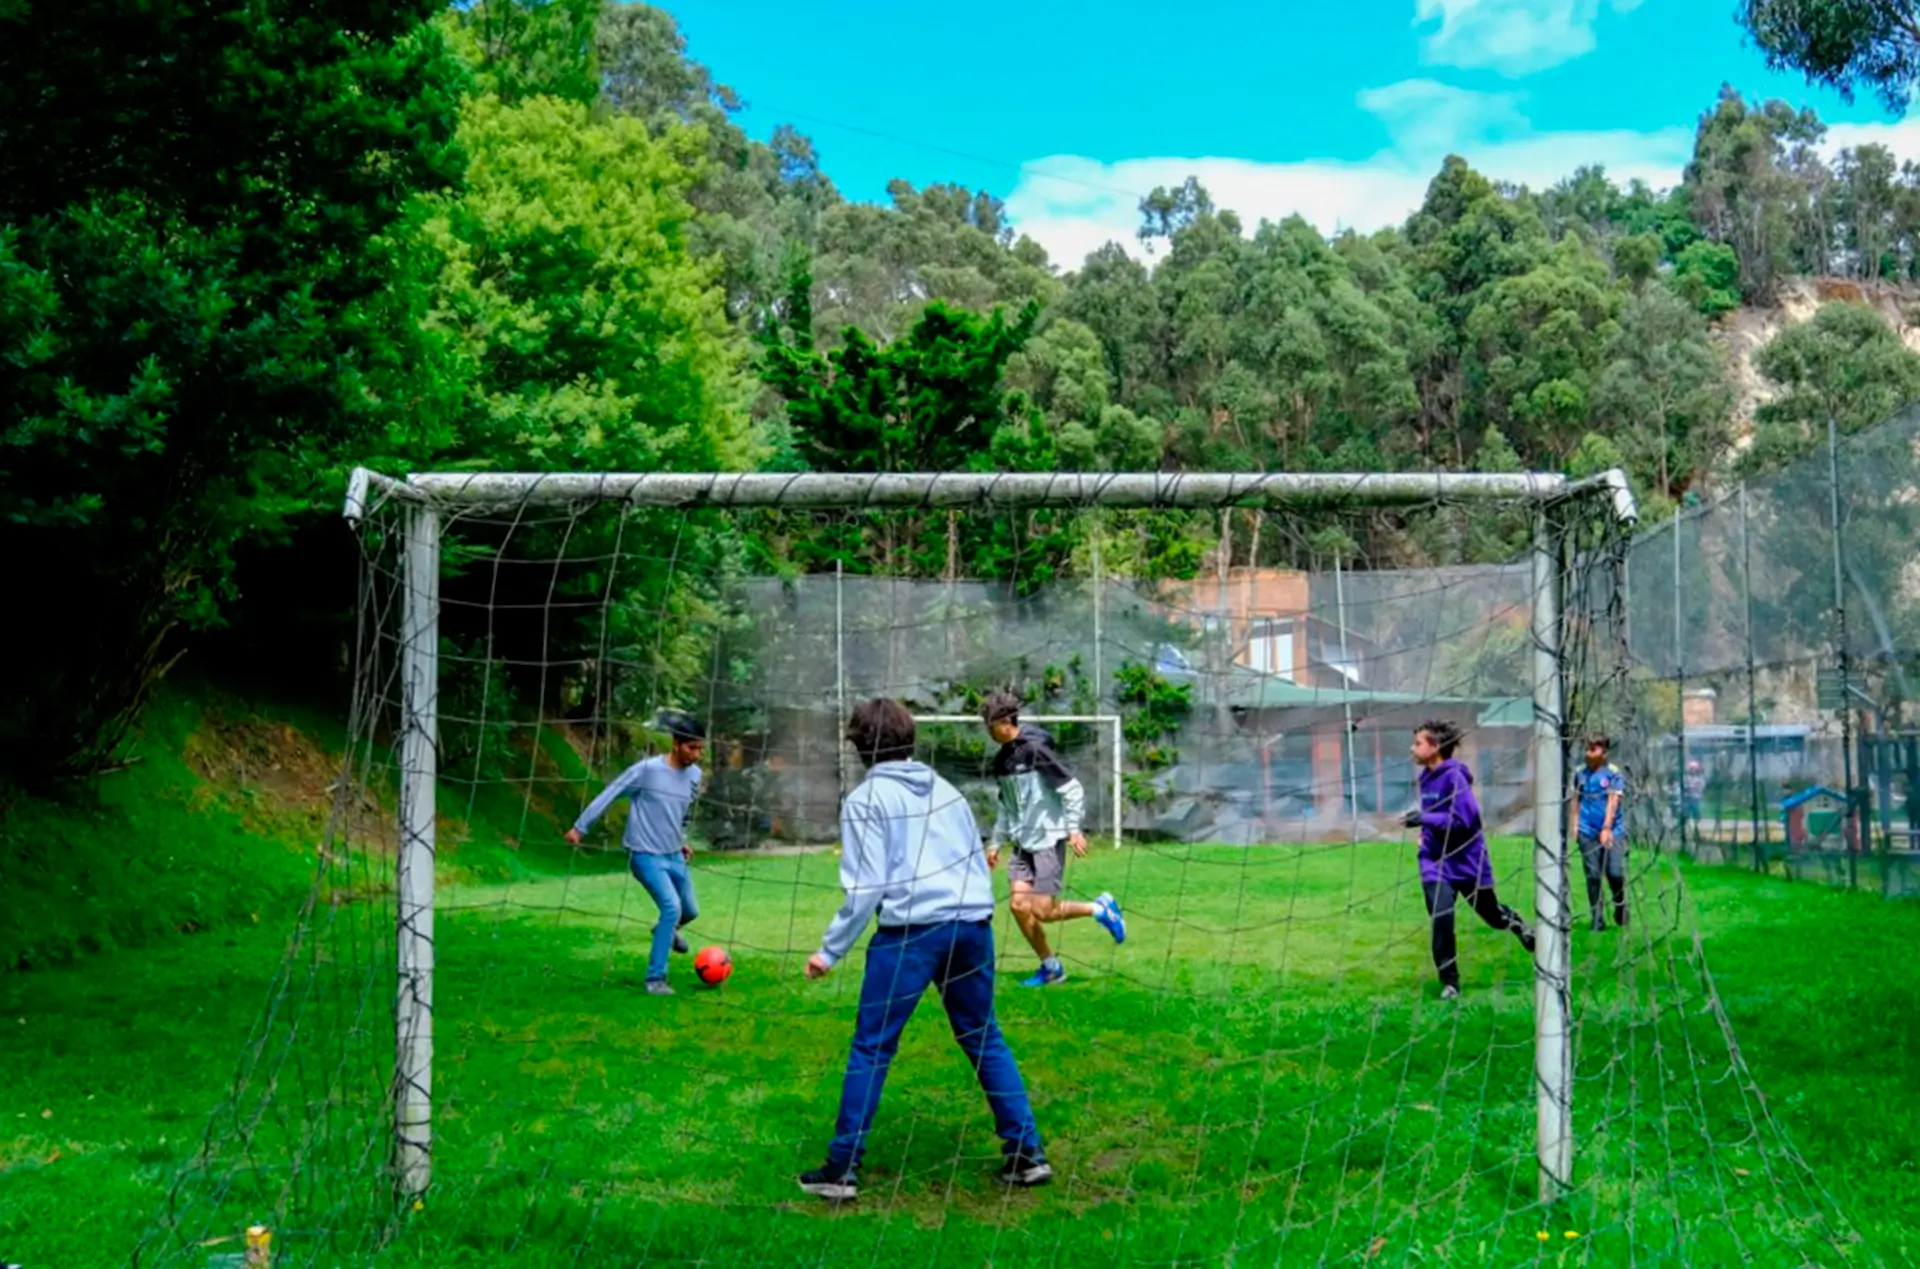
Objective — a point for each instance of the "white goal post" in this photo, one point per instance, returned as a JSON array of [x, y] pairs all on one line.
[[427, 497], [1106, 720]]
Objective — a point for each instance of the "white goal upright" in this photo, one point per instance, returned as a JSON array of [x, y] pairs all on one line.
[[427, 499]]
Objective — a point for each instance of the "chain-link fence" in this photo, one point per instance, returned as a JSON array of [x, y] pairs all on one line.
[[1256, 704], [1775, 634]]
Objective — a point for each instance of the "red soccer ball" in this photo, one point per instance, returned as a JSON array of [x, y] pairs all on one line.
[[713, 965]]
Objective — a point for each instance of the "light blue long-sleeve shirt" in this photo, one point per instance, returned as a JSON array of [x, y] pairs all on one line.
[[910, 851], [659, 799]]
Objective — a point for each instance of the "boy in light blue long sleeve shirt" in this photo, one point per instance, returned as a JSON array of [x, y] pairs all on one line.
[[660, 792], [911, 855]]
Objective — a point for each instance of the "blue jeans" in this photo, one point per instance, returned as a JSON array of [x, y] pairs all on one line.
[[669, 881], [956, 958]]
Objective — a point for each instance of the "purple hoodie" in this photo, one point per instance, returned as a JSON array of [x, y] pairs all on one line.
[[1452, 847]]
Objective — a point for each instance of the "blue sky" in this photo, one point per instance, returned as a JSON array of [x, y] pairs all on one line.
[[1339, 111]]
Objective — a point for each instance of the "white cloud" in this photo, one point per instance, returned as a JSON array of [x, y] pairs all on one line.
[[1072, 205], [1424, 116], [1513, 37], [1902, 136]]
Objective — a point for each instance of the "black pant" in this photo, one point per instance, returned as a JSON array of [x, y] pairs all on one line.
[[1440, 898], [1611, 862]]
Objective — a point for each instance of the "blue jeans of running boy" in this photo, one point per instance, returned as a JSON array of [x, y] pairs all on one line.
[[670, 882], [955, 958]]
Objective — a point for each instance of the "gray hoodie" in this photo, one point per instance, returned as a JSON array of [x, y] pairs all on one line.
[[910, 851]]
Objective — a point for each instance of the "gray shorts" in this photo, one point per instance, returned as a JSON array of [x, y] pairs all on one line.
[[1044, 870], [1613, 860]]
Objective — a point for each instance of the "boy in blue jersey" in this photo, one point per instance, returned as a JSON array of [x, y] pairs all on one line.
[[911, 857], [1453, 850], [660, 793], [1599, 791]]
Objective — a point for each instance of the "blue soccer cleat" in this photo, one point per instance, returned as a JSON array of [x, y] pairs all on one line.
[[1047, 976], [1106, 910]]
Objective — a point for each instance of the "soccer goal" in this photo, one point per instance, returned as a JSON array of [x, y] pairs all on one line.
[[1311, 1048]]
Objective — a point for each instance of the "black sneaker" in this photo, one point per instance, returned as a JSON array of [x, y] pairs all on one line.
[[833, 1182], [1026, 1170], [1598, 925], [680, 944]]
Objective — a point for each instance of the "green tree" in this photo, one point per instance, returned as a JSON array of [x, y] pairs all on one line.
[[1637, 258], [645, 70], [933, 400], [1536, 349], [1740, 189], [1465, 236], [876, 267], [1112, 295], [1664, 395], [529, 48], [1707, 276], [1842, 43], [204, 310], [588, 333], [1867, 203], [760, 203], [1845, 364]]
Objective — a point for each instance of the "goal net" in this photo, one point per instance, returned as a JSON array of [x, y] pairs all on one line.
[[460, 1062]]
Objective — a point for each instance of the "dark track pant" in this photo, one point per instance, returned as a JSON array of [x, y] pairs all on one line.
[[1485, 903], [1612, 863]]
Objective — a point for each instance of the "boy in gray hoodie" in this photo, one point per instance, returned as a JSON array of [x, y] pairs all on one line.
[[911, 855]]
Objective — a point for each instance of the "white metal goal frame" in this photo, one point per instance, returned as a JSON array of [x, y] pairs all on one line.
[[428, 496], [1115, 721]]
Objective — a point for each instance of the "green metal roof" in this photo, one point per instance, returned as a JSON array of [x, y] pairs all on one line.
[[1271, 692]]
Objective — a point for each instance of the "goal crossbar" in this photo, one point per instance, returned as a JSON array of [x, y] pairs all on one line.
[[1002, 489]]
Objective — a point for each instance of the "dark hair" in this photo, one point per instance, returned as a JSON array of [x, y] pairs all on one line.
[[1600, 740], [881, 730], [681, 726], [1001, 706], [1444, 735]]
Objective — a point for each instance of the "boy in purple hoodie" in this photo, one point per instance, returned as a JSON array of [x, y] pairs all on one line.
[[1453, 850]]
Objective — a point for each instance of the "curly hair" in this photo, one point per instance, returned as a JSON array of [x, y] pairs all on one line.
[[1444, 735]]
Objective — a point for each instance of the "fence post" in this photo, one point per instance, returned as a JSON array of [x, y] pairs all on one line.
[[839, 676], [1753, 708], [1679, 688], [1851, 824]]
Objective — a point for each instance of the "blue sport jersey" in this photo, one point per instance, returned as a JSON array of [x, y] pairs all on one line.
[[1594, 788]]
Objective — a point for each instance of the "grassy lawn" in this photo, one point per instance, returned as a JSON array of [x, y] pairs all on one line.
[[1262, 1075]]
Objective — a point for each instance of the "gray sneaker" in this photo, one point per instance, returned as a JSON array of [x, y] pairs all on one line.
[[658, 987]]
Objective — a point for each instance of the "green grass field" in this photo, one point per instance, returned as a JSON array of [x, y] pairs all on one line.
[[1262, 1075]]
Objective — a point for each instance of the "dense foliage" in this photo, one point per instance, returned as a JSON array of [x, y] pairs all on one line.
[[246, 246]]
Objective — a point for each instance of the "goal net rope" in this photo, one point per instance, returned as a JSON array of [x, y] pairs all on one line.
[[459, 1062]]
